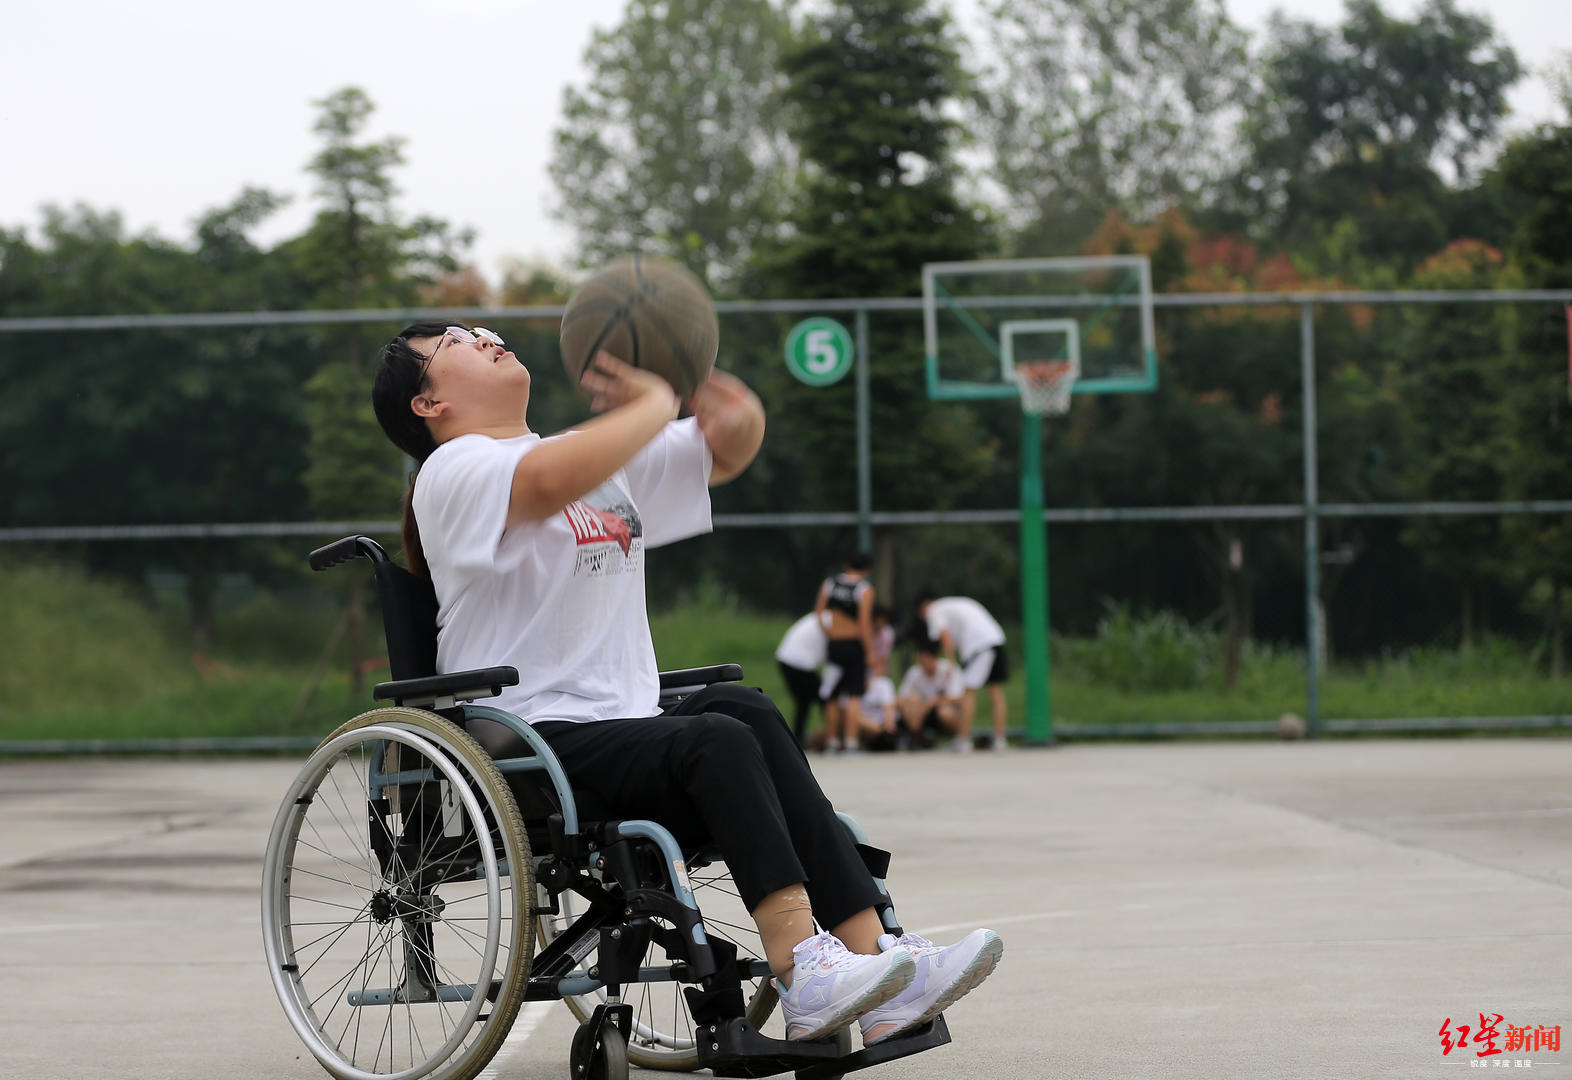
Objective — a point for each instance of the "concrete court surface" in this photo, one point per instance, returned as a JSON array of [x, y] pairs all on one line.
[[1169, 910]]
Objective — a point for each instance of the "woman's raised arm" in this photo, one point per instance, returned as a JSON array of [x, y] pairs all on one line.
[[637, 403]]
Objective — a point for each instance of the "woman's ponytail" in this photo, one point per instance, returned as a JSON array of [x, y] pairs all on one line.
[[414, 553]]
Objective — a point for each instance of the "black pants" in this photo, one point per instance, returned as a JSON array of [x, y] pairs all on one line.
[[720, 766], [804, 687]]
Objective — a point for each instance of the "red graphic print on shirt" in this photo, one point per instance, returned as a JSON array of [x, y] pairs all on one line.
[[608, 533], [595, 526]]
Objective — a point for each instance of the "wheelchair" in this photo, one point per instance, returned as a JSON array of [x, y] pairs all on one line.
[[416, 893]]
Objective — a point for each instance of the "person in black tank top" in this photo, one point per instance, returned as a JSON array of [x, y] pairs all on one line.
[[845, 609], [844, 591]]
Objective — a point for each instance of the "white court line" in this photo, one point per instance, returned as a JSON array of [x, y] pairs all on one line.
[[1071, 913], [55, 928], [972, 924], [181, 821], [532, 1013], [1474, 815]]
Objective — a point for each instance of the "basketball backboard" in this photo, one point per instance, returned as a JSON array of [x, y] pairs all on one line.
[[981, 318]]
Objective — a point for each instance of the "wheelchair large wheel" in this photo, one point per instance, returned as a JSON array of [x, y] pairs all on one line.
[[396, 898], [662, 1036]]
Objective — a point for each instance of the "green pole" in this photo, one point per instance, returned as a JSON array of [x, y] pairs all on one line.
[[864, 456], [1312, 527], [1034, 584]]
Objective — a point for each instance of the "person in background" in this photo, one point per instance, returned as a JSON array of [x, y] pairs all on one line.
[[881, 720], [930, 695], [974, 640], [845, 610], [883, 643], [799, 656]]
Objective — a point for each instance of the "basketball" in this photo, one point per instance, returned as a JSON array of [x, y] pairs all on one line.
[[649, 312], [1290, 726]]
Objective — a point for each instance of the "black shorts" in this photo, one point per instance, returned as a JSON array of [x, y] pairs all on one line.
[[999, 673], [848, 655]]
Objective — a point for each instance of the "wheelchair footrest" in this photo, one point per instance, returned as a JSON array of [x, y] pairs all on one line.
[[736, 1048]]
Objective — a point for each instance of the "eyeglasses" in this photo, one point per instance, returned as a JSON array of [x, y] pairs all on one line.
[[467, 337]]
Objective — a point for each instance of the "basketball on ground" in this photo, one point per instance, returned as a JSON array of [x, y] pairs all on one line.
[[649, 312], [1290, 726]]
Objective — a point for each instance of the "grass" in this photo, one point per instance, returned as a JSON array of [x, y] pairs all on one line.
[[90, 659]]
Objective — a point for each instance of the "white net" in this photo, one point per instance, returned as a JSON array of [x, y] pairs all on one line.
[[1045, 386]]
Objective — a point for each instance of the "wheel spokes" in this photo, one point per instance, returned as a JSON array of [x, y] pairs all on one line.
[[396, 933]]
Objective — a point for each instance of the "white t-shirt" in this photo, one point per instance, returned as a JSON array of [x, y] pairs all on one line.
[[562, 599], [880, 693], [970, 626], [804, 644], [944, 682]]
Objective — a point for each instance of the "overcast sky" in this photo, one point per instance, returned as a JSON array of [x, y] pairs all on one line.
[[165, 108]]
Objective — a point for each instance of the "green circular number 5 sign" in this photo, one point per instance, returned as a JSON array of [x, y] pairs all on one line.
[[819, 351]]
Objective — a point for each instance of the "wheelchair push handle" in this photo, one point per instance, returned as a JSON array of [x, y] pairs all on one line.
[[342, 551]]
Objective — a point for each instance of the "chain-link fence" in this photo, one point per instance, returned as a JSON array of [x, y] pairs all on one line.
[[1372, 474]]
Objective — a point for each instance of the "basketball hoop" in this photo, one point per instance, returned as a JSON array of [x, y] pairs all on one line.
[[1045, 386]]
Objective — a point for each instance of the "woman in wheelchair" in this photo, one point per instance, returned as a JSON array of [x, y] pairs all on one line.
[[535, 547]]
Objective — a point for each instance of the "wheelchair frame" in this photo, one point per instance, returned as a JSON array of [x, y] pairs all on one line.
[[632, 874]]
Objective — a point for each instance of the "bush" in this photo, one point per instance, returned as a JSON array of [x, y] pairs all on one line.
[[1159, 651], [83, 639], [258, 626], [1491, 658]]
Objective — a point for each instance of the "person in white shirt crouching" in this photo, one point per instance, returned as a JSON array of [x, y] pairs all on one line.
[[931, 696]]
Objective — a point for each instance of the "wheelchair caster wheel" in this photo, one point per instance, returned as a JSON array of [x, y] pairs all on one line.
[[600, 1049]]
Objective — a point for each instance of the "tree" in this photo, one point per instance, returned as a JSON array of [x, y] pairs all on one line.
[[1350, 124], [526, 284], [237, 268], [870, 87], [1559, 75], [1454, 378], [1217, 430], [1537, 171], [160, 426], [359, 252], [675, 143], [1106, 105]]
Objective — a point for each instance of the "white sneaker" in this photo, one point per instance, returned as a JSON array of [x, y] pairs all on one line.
[[831, 986], [944, 975], [999, 743], [961, 744]]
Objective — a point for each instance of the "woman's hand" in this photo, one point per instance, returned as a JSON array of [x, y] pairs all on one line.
[[610, 383], [732, 420]]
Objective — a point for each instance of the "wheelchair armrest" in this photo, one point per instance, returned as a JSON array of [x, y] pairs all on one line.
[[687, 680], [442, 691]]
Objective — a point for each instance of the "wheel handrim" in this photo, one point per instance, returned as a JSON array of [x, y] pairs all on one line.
[[388, 925]]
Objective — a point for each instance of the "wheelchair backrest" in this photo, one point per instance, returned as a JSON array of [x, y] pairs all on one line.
[[409, 620], [409, 605]]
